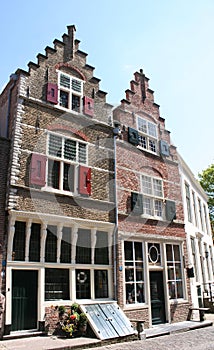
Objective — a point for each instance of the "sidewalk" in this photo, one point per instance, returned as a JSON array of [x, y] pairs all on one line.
[[54, 343]]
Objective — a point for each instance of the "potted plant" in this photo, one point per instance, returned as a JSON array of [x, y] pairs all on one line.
[[82, 323]]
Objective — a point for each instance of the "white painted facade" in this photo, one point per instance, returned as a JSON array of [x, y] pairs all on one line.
[[199, 237]]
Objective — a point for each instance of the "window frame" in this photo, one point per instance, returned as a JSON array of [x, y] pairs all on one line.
[[173, 263], [71, 92], [147, 141], [62, 161], [152, 199]]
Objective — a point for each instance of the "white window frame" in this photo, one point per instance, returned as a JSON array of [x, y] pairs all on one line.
[[173, 263], [148, 137], [152, 199], [62, 160], [70, 92]]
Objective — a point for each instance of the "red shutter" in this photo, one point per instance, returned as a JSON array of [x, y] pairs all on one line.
[[84, 180], [37, 169], [52, 93], [88, 106]]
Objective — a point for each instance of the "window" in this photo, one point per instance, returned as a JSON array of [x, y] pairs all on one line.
[[101, 285], [194, 208], [83, 248], [57, 284], [70, 92], [34, 250], [205, 219], [66, 245], [51, 244], [101, 248], [194, 258], [175, 283], [189, 214], [154, 255], [134, 272], [64, 155], [147, 135], [19, 241], [83, 283], [200, 214], [152, 189]]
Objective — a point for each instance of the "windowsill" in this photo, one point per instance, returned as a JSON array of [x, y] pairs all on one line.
[[68, 110], [150, 217], [135, 306], [147, 151], [178, 301]]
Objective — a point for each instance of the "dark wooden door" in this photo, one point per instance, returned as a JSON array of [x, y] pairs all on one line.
[[24, 300], [157, 297]]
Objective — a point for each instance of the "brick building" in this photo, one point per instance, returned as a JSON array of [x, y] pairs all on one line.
[[93, 209], [60, 197], [152, 282]]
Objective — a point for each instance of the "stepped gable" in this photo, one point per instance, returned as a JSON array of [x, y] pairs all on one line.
[[67, 57]]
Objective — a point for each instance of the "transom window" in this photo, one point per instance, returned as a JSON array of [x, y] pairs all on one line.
[[152, 189], [63, 157], [147, 135], [70, 92]]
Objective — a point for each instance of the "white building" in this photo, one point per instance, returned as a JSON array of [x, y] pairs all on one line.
[[199, 239]]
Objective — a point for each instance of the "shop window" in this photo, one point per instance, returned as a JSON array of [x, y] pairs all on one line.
[[134, 272], [34, 249], [174, 267], [57, 284], [19, 241]]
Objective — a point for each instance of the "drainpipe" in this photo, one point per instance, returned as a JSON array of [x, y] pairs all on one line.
[[116, 133], [13, 77]]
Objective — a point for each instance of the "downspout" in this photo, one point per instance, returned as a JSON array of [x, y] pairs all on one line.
[[116, 132], [13, 77]]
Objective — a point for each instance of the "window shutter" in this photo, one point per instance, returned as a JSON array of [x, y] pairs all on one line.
[[52, 93], [88, 106], [133, 136], [190, 272], [164, 148], [37, 169], [84, 180], [170, 210], [136, 203]]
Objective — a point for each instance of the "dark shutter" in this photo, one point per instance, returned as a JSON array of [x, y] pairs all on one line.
[[52, 93], [136, 203], [84, 180], [38, 169], [133, 136], [88, 106], [164, 148], [190, 272], [170, 210]]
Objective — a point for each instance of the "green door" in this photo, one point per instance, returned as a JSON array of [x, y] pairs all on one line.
[[157, 297], [24, 300]]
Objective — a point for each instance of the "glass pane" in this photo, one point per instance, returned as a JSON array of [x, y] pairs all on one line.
[[128, 250], [152, 131], [138, 251], [66, 245], [53, 173], [139, 274], [75, 103], [56, 284], [142, 125], [158, 208], [55, 146], [143, 141], [152, 145], [140, 293], [179, 290], [130, 293], [169, 252], [129, 274], [147, 206], [101, 249], [171, 275], [51, 244], [146, 184], [172, 294], [101, 283], [19, 241], [68, 177], [70, 150], [83, 288], [76, 85], [65, 81], [176, 253], [82, 153], [178, 271], [34, 249], [64, 98], [83, 247], [157, 186]]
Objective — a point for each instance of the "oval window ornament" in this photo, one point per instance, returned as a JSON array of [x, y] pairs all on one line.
[[153, 254]]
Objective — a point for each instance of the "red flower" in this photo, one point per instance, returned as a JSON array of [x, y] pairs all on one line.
[[72, 317]]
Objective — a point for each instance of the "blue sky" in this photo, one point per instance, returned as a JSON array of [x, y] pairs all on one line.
[[171, 40]]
